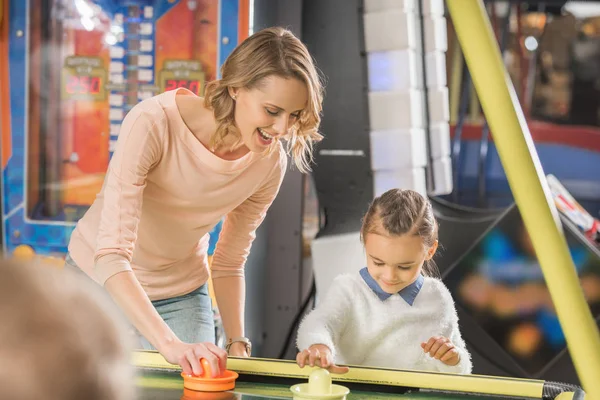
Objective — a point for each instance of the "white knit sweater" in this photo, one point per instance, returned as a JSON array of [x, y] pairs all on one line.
[[361, 329]]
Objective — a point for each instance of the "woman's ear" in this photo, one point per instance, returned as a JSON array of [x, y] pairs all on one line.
[[431, 251], [233, 92]]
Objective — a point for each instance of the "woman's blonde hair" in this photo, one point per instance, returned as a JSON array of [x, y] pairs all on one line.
[[273, 51]]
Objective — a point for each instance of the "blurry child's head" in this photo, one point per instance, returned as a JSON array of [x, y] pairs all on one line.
[[400, 235], [58, 339]]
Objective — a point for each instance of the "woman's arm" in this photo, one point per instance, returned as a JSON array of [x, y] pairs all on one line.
[[233, 247], [139, 148], [129, 295]]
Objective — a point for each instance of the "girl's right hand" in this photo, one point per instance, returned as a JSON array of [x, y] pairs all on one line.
[[188, 356], [319, 355]]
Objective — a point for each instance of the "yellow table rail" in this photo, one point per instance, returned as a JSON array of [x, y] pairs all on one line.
[[479, 384]]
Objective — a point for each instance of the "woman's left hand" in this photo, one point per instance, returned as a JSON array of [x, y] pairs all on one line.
[[238, 349], [441, 348]]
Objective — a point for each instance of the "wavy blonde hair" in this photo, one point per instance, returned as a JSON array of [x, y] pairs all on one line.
[[273, 51]]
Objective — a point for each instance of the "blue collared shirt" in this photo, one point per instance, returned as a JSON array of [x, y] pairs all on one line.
[[409, 293]]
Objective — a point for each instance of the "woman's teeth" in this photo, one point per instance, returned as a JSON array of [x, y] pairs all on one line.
[[264, 135]]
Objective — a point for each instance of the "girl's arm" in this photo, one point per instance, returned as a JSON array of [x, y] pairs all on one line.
[[450, 330], [465, 365], [325, 324]]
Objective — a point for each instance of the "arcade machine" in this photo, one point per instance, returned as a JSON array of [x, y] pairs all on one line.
[[75, 68], [4, 96], [553, 75]]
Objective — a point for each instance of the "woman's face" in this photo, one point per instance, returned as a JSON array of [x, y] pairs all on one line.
[[265, 113]]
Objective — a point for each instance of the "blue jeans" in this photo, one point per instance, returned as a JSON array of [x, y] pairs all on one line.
[[189, 316]]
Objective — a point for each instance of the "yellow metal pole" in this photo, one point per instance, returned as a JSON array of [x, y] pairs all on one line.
[[456, 76], [529, 186], [474, 113]]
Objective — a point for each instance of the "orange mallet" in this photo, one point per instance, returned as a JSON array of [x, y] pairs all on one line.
[[206, 383], [189, 394]]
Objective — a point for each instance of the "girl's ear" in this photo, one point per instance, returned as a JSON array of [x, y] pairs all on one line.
[[431, 251]]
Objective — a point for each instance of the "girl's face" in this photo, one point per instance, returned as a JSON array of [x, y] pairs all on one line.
[[264, 114], [396, 261]]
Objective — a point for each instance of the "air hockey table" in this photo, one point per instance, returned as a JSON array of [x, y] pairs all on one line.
[[261, 379]]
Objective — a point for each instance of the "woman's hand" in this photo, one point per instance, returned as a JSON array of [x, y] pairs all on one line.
[[188, 356], [127, 292], [441, 348], [319, 355]]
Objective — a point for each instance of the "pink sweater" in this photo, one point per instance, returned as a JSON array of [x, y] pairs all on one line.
[[163, 192]]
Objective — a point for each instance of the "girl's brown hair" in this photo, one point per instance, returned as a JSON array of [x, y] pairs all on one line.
[[273, 51], [399, 212]]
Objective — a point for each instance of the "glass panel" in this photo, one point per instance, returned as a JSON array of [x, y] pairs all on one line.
[[499, 282], [76, 67], [89, 64]]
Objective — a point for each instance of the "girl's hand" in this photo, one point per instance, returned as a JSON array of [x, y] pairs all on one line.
[[319, 355], [441, 348]]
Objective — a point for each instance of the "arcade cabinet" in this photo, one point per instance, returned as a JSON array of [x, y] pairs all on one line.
[[75, 69]]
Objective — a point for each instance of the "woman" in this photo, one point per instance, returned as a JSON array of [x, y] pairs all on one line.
[[183, 162]]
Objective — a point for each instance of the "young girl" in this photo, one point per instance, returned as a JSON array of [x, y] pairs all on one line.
[[393, 313], [181, 164]]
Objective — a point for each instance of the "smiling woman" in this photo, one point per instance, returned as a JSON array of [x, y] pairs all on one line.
[[181, 164], [270, 110], [272, 74]]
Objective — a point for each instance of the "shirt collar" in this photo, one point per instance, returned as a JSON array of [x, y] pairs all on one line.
[[409, 293]]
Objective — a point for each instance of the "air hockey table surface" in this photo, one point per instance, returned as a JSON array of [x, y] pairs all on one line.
[[261, 379], [157, 386]]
